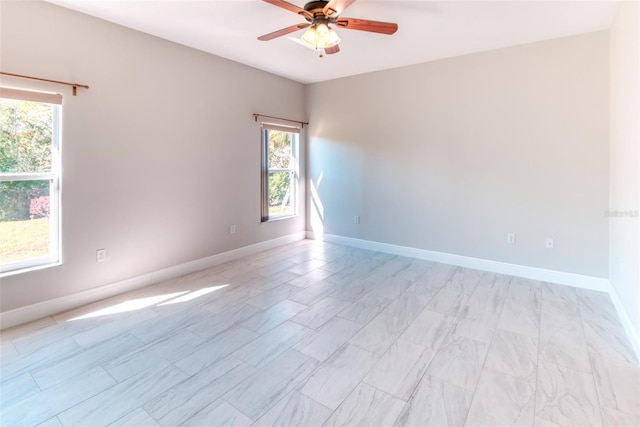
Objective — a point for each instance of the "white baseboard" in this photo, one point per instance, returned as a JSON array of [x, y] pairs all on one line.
[[551, 276], [68, 302], [632, 332], [559, 277]]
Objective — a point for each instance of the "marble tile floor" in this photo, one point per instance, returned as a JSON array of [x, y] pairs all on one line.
[[318, 334]]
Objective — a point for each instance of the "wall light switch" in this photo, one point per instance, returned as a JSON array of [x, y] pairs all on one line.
[[101, 255], [232, 229], [511, 239], [356, 219]]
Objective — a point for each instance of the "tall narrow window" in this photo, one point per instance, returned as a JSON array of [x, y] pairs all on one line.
[[279, 171], [29, 179]]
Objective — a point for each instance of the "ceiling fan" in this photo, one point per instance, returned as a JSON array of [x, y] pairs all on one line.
[[319, 14]]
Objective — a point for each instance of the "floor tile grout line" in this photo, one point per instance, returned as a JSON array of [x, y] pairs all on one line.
[[495, 330], [76, 404], [378, 357], [125, 415], [237, 409], [404, 402], [593, 372], [435, 350], [189, 377], [48, 364], [297, 388], [535, 406]]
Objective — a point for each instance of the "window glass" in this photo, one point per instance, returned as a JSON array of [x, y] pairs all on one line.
[[29, 184], [279, 174], [26, 136]]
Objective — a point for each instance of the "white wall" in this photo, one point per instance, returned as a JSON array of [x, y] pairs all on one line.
[[160, 155], [452, 155], [625, 159]]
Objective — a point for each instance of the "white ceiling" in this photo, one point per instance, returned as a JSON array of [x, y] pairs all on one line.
[[428, 30]]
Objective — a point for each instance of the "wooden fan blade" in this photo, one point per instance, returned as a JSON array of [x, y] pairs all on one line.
[[291, 7], [332, 50], [366, 25], [335, 7], [282, 32]]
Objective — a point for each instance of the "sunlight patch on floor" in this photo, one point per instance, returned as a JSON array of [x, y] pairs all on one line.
[[193, 295]]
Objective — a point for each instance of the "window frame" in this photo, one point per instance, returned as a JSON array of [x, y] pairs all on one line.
[[54, 256], [265, 170]]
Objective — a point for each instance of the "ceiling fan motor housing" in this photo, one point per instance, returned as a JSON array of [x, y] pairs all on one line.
[[316, 9], [313, 5]]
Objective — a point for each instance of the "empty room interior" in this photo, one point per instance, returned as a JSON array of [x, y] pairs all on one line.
[[333, 213]]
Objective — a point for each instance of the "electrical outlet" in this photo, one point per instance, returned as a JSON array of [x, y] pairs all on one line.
[[232, 229], [511, 238], [356, 219], [101, 255], [549, 243]]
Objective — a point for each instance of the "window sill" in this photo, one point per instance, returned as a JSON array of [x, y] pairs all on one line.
[[280, 218], [28, 269]]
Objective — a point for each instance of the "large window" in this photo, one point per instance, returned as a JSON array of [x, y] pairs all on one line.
[[29, 179], [279, 171]]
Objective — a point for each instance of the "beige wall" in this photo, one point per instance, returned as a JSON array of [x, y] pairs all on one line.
[[452, 155], [160, 156], [625, 158]]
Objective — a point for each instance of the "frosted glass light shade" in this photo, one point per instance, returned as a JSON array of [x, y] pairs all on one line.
[[320, 36]]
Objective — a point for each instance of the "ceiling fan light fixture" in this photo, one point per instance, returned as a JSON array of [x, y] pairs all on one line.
[[309, 36], [320, 36]]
